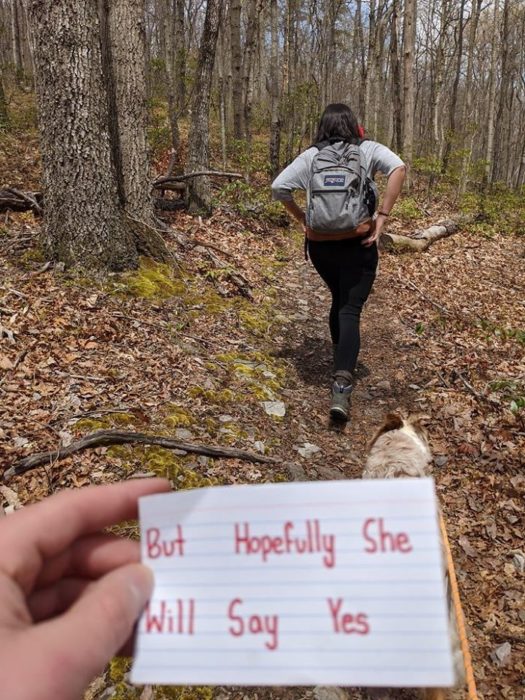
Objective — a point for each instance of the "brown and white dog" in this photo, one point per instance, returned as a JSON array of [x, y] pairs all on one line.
[[400, 448]]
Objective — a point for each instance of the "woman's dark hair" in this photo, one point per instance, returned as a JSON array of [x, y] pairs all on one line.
[[338, 122]]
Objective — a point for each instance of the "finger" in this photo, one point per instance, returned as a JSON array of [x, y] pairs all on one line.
[[56, 598], [34, 534], [96, 626], [90, 557]]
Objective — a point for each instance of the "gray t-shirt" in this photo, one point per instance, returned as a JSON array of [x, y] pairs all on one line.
[[376, 157]]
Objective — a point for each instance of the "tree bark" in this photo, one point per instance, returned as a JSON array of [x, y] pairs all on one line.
[[274, 82], [4, 118], [422, 239], [198, 157], [409, 44], [235, 39], [126, 29], [89, 231], [250, 46], [396, 81]]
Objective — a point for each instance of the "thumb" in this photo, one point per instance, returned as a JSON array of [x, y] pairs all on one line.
[[98, 625]]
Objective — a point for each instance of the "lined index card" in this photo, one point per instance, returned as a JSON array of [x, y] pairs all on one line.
[[320, 583]]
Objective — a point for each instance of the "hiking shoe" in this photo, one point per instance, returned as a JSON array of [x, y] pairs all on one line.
[[340, 406]]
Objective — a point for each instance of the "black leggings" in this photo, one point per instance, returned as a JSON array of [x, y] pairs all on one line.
[[349, 270]]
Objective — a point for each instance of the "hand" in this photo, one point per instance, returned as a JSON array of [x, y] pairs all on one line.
[[375, 231], [69, 593]]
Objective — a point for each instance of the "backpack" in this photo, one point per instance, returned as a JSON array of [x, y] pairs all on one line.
[[340, 195]]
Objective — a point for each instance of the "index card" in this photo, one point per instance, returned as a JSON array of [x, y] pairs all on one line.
[[320, 583]]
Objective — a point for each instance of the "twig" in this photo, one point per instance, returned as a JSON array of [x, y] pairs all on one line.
[[18, 360], [410, 284], [180, 178], [27, 198], [115, 437]]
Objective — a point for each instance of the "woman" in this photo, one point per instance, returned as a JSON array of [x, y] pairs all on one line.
[[347, 261]]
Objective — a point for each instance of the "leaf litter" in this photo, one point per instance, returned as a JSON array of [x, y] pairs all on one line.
[[90, 355]]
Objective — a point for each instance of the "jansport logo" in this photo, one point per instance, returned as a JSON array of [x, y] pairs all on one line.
[[334, 180]]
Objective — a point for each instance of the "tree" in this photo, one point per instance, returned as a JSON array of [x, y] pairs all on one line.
[[409, 43], [275, 119], [85, 221], [236, 57], [199, 191]]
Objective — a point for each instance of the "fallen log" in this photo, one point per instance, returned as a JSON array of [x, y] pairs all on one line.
[[103, 438], [422, 239], [160, 181]]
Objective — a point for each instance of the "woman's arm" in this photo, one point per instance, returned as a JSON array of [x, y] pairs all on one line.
[[294, 177], [393, 188], [295, 210]]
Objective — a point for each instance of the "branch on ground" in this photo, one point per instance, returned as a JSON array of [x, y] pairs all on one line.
[[103, 438], [422, 239], [160, 181]]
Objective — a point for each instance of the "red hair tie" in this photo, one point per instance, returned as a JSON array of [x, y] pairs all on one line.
[[360, 131]]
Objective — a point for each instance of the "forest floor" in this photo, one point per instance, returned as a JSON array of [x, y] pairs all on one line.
[[198, 352]]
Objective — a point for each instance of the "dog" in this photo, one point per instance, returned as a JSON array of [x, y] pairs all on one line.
[[400, 448]]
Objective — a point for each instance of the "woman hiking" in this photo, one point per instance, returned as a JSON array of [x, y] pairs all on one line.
[[345, 259]]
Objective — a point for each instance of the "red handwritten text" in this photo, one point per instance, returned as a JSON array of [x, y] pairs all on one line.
[[311, 541], [253, 624], [380, 540], [179, 619], [345, 622], [157, 547]]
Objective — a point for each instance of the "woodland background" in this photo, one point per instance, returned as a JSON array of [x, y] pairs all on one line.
[[137, 296]]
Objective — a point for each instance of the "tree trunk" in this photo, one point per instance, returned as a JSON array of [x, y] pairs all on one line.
[[396, 82], [451, 133], [491, 115], [126, 27], [16, 40], [250, 45], [235, 38], [4, 119], [84, 223], [275, 125], [171, 87], [409, 44], [198, 157]]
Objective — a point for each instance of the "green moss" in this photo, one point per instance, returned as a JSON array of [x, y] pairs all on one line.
[[112, 420], [152, 280], [117, 670], [89, 425], [178, 417], [220, 397], [172, 466]]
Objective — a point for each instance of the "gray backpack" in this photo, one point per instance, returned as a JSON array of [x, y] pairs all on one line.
[[340, 195]]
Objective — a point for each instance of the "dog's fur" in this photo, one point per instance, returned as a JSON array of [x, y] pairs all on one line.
[[400, 448]]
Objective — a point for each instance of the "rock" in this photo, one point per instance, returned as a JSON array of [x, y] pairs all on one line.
[[518, 560], [501, 654], [20, 442], [322, 692], [440, 460], [384, 385], [259, 446], [183, 434], [308, 450], [274, 408], [330, 473], [226, 419], [295, 472]]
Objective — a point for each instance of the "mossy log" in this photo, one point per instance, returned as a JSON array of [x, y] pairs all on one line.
[[422, 239]]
